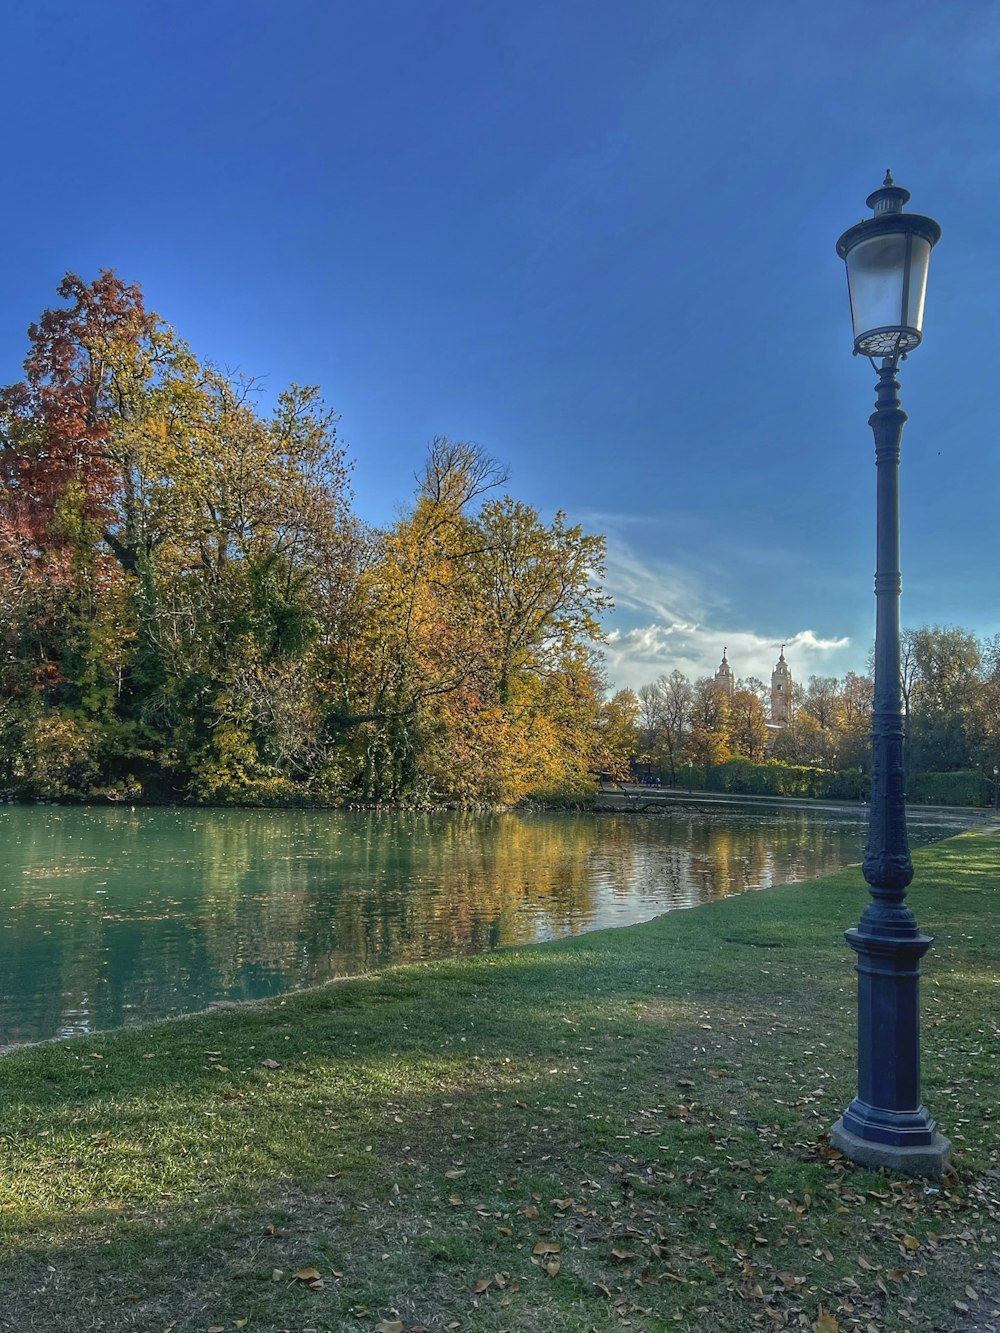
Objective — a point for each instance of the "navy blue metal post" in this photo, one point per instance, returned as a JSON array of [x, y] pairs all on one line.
[[886, 1125]]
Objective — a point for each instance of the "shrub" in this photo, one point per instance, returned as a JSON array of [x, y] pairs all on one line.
[[961, 788]]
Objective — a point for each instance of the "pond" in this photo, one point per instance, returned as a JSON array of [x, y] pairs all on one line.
[[110, 917]]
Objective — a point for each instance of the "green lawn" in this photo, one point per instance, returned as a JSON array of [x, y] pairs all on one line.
[[625, 1130]]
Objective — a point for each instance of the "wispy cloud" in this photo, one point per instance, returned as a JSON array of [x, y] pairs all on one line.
[[683, 625]]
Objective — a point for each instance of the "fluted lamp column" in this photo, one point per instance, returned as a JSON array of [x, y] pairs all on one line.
[[887, 257]]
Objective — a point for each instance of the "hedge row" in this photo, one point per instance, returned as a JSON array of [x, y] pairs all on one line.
[[743, 778]]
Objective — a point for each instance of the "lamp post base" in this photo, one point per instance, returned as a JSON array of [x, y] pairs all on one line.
[[924, 1159]]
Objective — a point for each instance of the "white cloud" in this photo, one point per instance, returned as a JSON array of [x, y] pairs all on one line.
[[684, 627]]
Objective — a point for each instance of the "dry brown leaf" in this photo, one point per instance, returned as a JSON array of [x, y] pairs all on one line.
[[622, 1256], [552, 1267], [455, 1200], [270, 1064], [454, 1174], [911, 1242], [547, 1247], [530, 1211], [826, 1323], [306, 1275], [483, 1284], [389, 1326]]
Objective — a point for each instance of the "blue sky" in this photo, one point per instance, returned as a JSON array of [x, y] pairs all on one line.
[[596, 240]]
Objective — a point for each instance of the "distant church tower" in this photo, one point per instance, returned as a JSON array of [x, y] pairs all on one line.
[[724, 676], [781, 692]]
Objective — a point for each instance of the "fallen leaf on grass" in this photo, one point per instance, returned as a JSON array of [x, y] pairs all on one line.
[[271, 1064], [389, 1326], [826, 1323], [455, 1174], [911, 1242], [552, 1267], [482, 1285], [306, 1275], [622, 1256], [547, 1247]]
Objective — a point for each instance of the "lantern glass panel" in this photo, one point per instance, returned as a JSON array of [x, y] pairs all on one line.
[[920, 259], [875, 270]]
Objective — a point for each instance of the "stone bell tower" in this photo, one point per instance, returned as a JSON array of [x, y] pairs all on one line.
[[781, 692], [724, 676]]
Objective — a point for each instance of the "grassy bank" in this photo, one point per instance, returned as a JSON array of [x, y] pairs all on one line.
[[627, 1129]]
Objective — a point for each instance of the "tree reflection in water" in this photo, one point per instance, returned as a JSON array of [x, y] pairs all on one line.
[[117, 916]]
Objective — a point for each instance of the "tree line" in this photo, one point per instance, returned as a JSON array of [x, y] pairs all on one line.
[[950, 685], [192, 609]]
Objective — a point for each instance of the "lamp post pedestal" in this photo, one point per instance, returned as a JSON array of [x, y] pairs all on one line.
[[885, 1125]]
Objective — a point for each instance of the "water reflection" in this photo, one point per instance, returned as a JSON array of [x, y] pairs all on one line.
[[110, 917]]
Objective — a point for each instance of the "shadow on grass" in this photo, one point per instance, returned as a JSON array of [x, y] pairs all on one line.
[[398, 1132]]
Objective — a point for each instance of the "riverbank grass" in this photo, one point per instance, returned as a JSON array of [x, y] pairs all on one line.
[[623, 1130]]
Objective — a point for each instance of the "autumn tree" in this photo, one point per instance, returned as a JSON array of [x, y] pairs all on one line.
[[747, 726], [946, 667], [190, 607], [620, 732], [708, 735], [675, 699]]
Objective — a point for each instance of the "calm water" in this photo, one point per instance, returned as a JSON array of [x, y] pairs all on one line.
[[110, 917]]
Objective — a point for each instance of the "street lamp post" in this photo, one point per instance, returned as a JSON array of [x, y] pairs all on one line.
[[887, 258]]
